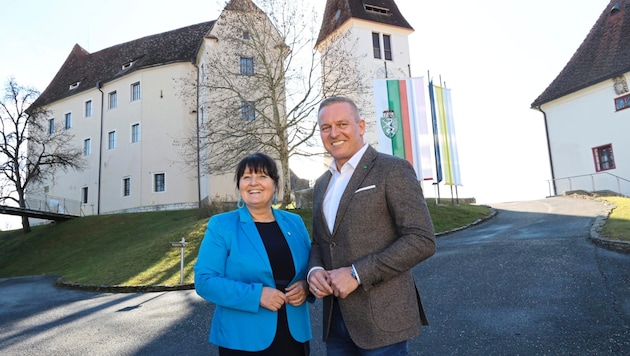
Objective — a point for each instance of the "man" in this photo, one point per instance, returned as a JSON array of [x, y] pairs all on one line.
[[371, 226]]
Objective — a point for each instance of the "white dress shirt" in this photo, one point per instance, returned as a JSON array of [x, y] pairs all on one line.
[[337, 185]]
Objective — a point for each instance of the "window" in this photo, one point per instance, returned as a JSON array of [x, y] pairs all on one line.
[[84, 195], [111, 140], [376, 45], [387, 47], [126, 187], [135, 133], [245, 35], [74, 85], [135, 91], [51, 126], [248, 110], [113, 100], [68, 123], [604, 158], [87, 147], [158, 182], [376, 9], [88, 108], [247, 66]]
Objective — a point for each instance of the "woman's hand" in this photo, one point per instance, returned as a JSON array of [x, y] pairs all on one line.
[[272, 299], [296, 293]]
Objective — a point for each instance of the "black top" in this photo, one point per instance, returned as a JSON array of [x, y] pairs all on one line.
[[278, 252]]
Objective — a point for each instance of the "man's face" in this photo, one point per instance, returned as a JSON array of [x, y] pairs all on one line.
[[341, 134]]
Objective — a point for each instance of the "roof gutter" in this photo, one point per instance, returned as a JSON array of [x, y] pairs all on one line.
[[552, 192], [99, 85]]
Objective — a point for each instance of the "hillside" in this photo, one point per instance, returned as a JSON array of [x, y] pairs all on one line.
[[135, 249]]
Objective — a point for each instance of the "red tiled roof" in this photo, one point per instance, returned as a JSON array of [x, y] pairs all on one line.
[[604, 54]]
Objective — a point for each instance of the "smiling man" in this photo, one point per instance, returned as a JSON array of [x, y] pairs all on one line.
[[371, 226]]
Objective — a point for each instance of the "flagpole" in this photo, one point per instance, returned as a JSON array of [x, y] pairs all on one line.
[[436, 147]]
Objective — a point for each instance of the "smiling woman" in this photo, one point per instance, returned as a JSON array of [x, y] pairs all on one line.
[[258, 180], [263, 298]]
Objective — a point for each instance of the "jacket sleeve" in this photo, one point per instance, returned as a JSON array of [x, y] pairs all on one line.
[[212, 281], [414, 239]]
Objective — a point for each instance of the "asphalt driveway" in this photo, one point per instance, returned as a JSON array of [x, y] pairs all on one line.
[[528, 281]]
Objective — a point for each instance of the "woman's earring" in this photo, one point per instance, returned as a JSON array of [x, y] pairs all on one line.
[[275, 200], [240, 203]]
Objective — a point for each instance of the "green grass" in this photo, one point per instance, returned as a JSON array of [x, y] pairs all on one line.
[[618, 224], [135, 250]]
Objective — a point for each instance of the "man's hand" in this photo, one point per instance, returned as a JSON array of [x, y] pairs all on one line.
[[319, 283], [342, 282]]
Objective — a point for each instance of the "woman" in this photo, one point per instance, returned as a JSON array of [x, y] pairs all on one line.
[[252, 265]]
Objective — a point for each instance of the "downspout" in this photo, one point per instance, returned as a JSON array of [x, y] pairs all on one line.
[[198, 144], [100, 151], [553, 178]]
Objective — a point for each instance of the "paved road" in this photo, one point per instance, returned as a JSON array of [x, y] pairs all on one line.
[[526, 282]]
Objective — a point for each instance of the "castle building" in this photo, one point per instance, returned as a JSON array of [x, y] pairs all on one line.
[[126, 107], [586, 110]]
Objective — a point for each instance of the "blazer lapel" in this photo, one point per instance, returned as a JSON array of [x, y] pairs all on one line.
[[360, 172], [319, 193]]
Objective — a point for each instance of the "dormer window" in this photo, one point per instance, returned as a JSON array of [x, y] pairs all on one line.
[[615, 9], [377, 9], [127, 65], [74, 85]]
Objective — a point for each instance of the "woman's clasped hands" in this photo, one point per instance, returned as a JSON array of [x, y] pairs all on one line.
[[274, 299]]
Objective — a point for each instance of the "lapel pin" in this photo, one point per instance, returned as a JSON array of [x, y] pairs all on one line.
[[364, 167]]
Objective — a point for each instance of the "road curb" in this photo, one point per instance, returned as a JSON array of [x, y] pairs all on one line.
[[122, 289], [493, 213]]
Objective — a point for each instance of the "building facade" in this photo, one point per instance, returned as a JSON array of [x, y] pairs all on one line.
[[587, 110], [128, 107]]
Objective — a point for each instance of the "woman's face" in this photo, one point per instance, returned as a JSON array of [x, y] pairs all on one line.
[[257, 189]]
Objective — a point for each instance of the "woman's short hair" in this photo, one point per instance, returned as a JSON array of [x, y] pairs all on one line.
[[258, 163]]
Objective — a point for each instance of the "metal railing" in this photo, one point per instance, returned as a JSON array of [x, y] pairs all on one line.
[[53, 204], [594, 181]]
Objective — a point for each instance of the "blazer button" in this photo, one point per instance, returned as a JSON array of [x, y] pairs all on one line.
[[333, 244]]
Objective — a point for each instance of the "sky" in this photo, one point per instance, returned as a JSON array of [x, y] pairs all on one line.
[[496, 56]]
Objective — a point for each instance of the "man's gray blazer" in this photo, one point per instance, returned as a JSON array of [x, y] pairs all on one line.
[[383, 227]]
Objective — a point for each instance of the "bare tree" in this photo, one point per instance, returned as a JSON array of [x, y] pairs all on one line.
[[260, 85], [29, 146]]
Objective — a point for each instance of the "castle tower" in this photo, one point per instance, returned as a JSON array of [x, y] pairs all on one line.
[[376, 35]]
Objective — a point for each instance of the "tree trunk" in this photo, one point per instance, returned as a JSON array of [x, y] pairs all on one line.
[[286, 183], [26, 225]]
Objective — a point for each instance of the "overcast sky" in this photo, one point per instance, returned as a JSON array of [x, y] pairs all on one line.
[[496, 56]]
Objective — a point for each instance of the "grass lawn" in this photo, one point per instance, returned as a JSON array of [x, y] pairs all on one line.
[[618, 224], [135, 250]]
